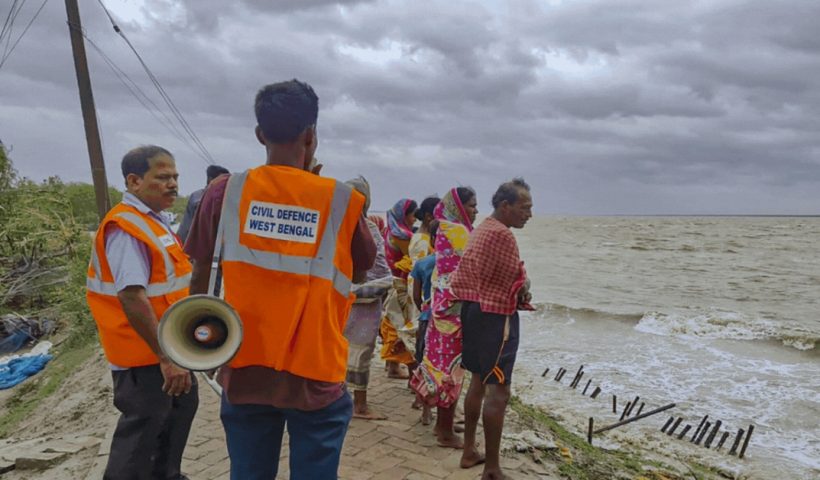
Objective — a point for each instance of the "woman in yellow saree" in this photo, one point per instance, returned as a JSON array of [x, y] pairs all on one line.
[[398, 306]]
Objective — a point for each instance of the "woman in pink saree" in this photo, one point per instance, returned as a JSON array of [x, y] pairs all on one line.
[[438, 379]]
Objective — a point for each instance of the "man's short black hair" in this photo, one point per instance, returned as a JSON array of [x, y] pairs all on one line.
[[427, 206], [285, 109], [509, 191], [214, 171], [136, 161]]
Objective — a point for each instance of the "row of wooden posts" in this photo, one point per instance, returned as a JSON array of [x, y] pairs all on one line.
[[669, 427], [701, 432]]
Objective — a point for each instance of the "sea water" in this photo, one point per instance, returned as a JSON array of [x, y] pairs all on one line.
[[720, 315]]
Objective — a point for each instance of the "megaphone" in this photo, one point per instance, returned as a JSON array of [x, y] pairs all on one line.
[[200, 332]]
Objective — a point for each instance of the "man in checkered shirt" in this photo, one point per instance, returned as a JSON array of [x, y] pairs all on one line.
[[492, 284]]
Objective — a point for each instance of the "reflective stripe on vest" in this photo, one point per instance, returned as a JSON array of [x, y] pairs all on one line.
[[172, 283], [321, 266]]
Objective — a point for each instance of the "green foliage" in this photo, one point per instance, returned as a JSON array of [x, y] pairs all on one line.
[[7, 173], [42, 245], [179, 208], [44, 252], [84, 204]]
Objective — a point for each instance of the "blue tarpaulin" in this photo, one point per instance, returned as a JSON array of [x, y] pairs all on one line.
[[14, 342], [18, 369]]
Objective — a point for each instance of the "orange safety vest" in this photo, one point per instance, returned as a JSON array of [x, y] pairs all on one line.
[[169, 280], [287, 268]]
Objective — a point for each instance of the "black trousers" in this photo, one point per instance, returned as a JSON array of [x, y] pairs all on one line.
[[153, 427]]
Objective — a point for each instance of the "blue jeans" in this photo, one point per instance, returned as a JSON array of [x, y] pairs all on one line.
[[254, 437]]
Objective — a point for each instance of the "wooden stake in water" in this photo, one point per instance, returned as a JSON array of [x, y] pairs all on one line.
[[596, 392], [587, 386], [589, 431], [577, 380], [614, 404], [674, 427], [635, 418], [703, 433], [684, 431], [666, 425], [640, 409], [746, 441], [711, 436], [722, 440], [561, 369], [626, 409], [733, 450], [632, 406], [545, 372], [577, 377], [703, 420]]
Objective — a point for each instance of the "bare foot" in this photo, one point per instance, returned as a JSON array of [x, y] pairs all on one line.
[[369, 414], [471, 458], [458, 428], [492, 475], [450, 440], [416, 404]]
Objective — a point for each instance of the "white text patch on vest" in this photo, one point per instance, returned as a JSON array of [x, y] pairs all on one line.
[[282, 222]]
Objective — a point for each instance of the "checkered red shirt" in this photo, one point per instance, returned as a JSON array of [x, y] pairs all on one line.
[[491, 271]]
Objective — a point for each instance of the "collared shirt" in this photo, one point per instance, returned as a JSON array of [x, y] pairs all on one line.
[[129, 258], [491, 271]]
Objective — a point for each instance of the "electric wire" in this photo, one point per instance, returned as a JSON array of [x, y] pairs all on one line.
[[33, 18], [205, 154], [138, 93], [8, 26]]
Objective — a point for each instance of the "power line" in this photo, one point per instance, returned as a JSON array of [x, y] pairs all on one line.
[[36, 14], [174, 110], [8, 26], [139, 94], [6, 22]]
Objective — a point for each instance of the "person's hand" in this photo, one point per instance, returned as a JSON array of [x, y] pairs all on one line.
[[524, 294], [524, 291], [317, 169], [177, 380]]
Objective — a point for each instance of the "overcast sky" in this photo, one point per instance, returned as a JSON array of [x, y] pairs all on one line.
[[604, 107]]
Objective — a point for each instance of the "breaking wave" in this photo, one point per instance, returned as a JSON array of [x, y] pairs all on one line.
[[708, 325]]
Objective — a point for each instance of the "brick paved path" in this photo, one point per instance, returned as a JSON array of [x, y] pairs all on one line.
[[397, 448]]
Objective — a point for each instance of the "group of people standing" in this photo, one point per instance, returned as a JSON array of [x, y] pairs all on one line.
[[315, 282], [450, 294]]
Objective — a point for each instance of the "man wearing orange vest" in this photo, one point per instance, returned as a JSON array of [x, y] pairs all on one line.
[[137, 270], [289, 242]]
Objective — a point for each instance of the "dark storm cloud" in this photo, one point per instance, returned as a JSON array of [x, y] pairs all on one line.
[[604, 106]]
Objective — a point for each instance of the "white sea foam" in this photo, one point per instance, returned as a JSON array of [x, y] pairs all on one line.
[[713, 324], [698, 311]]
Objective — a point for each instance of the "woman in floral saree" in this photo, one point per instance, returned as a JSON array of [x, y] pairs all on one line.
[[398, 306], [438, 379]]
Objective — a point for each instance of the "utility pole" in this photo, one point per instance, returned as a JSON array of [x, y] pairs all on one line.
[[92, 133]]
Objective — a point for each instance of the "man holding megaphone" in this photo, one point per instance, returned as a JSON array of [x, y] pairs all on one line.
[[289, 243], [137, 271]]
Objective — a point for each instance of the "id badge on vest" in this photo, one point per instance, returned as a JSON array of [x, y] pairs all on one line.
[[282, 222]]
